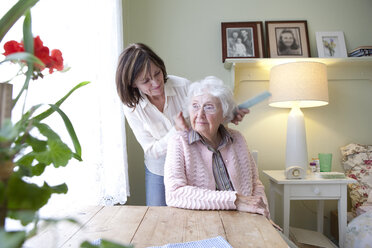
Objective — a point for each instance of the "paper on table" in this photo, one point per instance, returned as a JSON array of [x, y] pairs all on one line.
[[217, 242]]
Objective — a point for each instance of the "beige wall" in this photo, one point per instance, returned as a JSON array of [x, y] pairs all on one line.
[[187, 35]]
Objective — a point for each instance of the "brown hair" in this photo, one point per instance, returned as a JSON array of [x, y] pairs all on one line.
[[133, 61]]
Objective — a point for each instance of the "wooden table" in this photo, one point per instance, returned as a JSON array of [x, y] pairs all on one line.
[[149, 226]]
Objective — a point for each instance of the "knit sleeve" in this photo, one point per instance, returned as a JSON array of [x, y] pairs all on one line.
[[179, 192], [258, 189]]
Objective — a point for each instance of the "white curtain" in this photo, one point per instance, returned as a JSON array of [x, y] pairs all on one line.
[[89, 34]]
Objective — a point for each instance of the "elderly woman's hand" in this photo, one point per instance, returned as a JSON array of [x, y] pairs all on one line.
[[240, 113], [180, 122], [251, 204]]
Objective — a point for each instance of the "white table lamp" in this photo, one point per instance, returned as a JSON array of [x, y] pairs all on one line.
[[298, 85]]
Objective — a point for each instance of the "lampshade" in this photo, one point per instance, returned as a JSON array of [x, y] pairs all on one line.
[[298, 85], [302, 83]]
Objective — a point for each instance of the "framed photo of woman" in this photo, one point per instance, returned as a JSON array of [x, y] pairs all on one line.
[[242, 40], [287, 39]]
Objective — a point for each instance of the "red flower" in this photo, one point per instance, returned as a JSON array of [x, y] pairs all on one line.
[[13, 47], [52, 61], [41, 51], [56, 61]]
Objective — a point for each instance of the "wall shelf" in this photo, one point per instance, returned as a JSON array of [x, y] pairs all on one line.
[[359, 68]]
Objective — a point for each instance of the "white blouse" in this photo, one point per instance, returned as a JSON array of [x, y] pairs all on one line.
[[153, 128]]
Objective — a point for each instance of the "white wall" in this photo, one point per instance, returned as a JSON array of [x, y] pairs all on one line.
[[187, 35]]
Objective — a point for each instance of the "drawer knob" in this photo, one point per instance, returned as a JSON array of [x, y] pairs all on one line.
[[316, 191]]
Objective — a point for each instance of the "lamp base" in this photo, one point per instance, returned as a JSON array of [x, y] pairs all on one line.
[[296, 149], [295, 172]]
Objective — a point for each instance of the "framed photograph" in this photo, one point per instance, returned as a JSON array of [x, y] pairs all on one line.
[[287, 39], [331, 44], [242, 40]]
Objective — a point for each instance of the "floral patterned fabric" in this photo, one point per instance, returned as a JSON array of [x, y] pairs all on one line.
[[357, 163], [359, 232], [366, 207]]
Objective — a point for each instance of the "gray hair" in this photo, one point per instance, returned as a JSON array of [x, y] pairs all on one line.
[[215, 86]]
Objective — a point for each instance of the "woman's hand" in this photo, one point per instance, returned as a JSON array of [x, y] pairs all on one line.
[[251, 204], [180, 122], [240, 113]]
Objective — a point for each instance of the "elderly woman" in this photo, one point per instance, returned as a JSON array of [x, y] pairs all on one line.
[[210, 166]]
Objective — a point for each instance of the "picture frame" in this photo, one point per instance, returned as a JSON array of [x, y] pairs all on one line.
[[242, 40], [287, 39], [331, 44]]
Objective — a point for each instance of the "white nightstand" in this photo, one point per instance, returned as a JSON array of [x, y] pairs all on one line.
[[311, 188]]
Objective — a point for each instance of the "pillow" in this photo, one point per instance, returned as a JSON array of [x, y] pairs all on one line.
[[367, 206], [359, 231], [357, 163]]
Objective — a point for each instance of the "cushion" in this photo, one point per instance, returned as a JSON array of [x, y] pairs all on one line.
[[359, 231], [357, 163]]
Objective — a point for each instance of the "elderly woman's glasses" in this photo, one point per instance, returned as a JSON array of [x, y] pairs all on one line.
[[208, 108]]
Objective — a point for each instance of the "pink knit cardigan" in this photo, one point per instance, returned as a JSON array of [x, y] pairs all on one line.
[[189, 180]]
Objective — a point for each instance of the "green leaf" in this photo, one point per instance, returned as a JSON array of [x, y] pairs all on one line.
[[103, 243], [25, 123], [26, 168], [45, 130], [38, 169], [25, 216], [28, 41], [24, 171], [30, 58], [50, 111], [36, 144], [52, 221], [44, 157], [58, 152], [69, 128], [60, 189], [87, 244], [12, 239], [26, 160], [28, 196], [77, 157], [11, 17]]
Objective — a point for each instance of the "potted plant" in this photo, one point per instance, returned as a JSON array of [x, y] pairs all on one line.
[[23, 153], [29, 145]]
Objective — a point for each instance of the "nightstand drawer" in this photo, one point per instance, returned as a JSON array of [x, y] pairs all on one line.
[[311, 190]]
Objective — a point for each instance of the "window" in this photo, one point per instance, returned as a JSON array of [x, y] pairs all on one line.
[[88, 32]]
